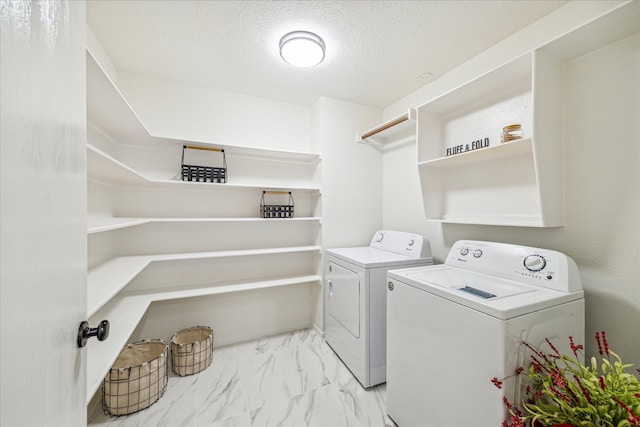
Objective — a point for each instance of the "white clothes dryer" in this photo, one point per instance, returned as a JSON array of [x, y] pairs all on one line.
[[355, 299], [453, 327]]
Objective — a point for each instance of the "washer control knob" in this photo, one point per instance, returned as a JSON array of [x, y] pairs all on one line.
[[390, 285], [379, 237], [535, 262], [411, 242], [477, 253], [464, 251]]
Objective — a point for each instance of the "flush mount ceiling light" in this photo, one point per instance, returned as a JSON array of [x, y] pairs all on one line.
[[302, 49]]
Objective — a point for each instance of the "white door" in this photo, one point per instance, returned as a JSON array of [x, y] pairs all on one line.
[[42, 212]]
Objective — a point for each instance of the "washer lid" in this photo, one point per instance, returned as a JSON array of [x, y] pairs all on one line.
[[495, 296], [481, 285], [367, 257]]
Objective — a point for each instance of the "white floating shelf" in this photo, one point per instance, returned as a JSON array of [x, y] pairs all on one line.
[[269, 155], [104, 168], [511, 220], [204, 290], [108, 109], [124, 313], [508, 149], [109, 278], [103, 224]]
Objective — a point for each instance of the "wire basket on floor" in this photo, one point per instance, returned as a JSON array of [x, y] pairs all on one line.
[[204, 173], [284, 210], [137, 379], [192, 350]]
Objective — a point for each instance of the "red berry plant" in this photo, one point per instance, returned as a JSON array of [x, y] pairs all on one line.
[[564, 392]]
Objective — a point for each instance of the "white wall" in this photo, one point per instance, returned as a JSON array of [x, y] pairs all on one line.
[[238, 314], [602, 178], [179, 110], [351, 173]]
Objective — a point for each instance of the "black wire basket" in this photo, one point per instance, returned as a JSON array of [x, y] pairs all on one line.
[[284, 210], [191, 350], [204, 173], [137, 379]]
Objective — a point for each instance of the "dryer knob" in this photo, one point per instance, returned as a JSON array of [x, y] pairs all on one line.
[[379, 237], [477, 253], [464, 251], [390, 285]]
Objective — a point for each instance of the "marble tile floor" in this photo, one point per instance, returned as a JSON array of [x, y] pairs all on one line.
[[292, 379]]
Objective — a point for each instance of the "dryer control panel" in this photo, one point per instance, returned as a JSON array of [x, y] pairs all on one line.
[[534, 266], [400, 242]]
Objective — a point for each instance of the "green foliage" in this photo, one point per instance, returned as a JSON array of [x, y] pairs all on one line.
[[565, 391], [584, 396]]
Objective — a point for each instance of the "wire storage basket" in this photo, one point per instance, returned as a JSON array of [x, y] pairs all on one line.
[[191, 350], [204, 173], [137, 379], [284, 210]]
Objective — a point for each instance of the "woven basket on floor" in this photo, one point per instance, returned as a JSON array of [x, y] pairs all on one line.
[[191, 350], [137, 379]]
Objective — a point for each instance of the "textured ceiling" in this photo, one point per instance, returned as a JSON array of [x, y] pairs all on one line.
[[376, 50]]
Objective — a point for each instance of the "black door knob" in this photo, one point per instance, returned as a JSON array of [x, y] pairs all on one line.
[[85, 332]]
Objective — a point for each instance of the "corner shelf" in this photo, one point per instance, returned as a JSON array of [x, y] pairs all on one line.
[[143, 221], [393, 133]]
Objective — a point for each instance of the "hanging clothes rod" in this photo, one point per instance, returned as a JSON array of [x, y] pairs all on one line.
[[385, 126], [197, 147], [392, 133]]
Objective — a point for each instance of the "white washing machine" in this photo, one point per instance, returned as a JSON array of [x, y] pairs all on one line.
[[454, 326], [355, 299]]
